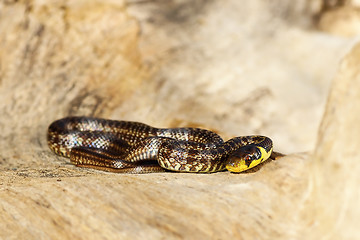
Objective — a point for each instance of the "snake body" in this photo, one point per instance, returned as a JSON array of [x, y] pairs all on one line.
[[133, 147]]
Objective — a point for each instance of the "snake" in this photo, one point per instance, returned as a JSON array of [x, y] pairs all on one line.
[[134, 147]]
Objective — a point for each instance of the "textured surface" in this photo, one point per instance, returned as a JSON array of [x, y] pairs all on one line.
[[336, 171], [68, 202], [340, 18], [236, 67]]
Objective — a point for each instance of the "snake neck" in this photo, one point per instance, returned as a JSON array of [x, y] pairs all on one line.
[[238, 142]]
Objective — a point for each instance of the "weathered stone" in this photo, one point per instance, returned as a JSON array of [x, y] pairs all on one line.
[[335, 172], [342, 21]]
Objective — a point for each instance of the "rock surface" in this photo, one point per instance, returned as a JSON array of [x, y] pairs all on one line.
[[336, 168], [235, 67], [340, 18]]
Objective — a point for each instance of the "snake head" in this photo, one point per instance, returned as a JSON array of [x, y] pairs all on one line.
[[245, 158]]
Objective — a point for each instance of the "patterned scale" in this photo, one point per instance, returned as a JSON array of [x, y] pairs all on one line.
[[132, 147]]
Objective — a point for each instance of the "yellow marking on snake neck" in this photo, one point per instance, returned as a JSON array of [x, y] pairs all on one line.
[[241, 165]]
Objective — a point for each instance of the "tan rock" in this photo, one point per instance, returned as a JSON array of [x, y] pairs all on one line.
[[343, 21], [335, 173]]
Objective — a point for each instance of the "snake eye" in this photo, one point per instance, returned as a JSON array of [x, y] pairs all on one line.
[[252, 153], [248, 160]]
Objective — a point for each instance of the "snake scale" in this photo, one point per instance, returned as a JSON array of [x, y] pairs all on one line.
[[133, 147]]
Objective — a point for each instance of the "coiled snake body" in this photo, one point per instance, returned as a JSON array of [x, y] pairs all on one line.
[[132, 147]]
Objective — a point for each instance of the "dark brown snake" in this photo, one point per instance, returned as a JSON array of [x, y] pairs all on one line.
[[133, 147]]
